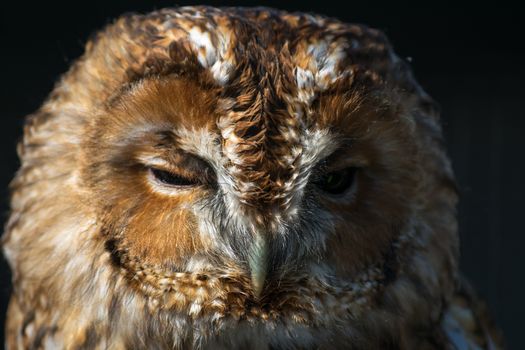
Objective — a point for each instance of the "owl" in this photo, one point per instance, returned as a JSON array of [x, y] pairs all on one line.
[[237, 178]]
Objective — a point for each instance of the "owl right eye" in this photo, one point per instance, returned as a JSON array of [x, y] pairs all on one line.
[[171, 179]]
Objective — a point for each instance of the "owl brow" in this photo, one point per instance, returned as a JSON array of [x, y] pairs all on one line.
[[124, 90], [342, 146], [165, 138], [341, 155], [127, 88]]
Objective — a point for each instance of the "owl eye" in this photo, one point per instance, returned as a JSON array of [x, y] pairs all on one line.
[[171, 179], [337, 182]]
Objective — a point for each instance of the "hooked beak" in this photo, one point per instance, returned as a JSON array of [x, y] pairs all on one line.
[[258, 263]]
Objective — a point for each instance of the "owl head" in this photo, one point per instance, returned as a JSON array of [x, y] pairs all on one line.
[[239, 165]]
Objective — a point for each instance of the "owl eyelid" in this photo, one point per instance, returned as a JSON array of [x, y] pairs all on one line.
[[350, 162], [165, 165], [155, 162], [326, 166], [169, 178], [166, 177]]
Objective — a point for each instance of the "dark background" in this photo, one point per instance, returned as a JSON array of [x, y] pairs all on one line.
[[469, 57]]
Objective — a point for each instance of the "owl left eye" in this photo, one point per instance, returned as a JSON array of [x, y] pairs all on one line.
[[337, 182], [169, 178]]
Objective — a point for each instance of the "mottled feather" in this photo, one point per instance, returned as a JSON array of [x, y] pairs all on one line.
[[177, 191]]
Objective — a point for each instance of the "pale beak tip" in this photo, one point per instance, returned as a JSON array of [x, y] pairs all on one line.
[[258, 262]]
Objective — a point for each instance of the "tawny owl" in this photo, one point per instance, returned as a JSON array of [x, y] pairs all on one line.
[[237, 179]]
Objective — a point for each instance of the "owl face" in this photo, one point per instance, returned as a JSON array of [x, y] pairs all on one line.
[[254, 164], [202, 170]]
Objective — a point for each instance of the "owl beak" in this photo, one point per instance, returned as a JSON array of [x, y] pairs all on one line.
[[257, 260]]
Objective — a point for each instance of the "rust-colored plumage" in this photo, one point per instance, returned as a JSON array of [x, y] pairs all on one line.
[[237, 178]]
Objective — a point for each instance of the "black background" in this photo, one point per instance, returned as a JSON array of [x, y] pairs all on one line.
[[468, 56]]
